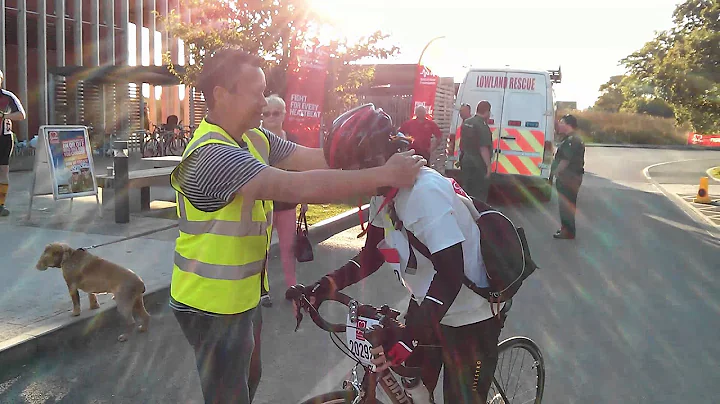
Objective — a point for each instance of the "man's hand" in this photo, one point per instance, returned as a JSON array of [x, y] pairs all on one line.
[[318, 292], [379, 359], [488, 173], [398, 345], [402, 169]]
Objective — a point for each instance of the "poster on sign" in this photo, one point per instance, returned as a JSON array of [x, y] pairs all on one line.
[[70, 160], [424, 91], [305, 94], [698, 139]]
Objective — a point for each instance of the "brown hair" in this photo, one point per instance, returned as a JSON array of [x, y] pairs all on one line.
[[220, 70], [483, 107]]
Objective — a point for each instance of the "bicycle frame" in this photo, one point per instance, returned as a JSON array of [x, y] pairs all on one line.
[[365, 390]]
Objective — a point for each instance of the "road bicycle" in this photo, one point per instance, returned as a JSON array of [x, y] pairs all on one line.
[[165, 142], [361, 337]]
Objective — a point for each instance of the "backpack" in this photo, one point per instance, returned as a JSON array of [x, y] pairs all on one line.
[[504, 250]]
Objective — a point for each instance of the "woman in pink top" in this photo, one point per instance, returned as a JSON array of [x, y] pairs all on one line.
[[284, 219]]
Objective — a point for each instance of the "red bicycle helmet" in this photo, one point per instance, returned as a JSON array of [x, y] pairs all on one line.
[[358, 136]]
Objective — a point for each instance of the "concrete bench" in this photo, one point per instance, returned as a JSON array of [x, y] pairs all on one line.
[[138, 179]]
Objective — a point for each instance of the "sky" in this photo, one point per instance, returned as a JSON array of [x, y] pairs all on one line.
[[586, 38]]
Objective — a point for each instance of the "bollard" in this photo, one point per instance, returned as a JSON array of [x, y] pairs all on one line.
[[121, 182], [703, 195]]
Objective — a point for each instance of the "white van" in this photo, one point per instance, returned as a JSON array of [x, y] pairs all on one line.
[[522, 118]]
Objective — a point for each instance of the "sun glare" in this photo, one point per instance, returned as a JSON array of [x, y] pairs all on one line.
[[340, 14]]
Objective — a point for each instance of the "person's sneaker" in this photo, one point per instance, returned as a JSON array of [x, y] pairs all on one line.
[[266, 301], [564, 235], [4, 211]]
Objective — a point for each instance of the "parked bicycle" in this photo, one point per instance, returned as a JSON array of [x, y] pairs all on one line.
[[362, 336], [165, 140]]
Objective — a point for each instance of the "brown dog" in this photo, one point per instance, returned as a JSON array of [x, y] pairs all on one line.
[[91, 274]]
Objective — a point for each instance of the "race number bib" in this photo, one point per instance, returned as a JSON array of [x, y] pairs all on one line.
[[356, 340]]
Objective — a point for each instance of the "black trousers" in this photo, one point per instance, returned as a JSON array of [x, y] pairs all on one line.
[[568, 188], [227, 354], [468, 356], [474, 182]]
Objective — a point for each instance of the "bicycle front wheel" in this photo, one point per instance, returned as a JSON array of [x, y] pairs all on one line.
[[520, 373], [336, 397]]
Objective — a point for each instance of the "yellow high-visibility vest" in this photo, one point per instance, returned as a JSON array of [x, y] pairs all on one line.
[[220, 256]]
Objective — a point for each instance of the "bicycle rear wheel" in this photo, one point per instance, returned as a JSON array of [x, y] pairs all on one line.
[[150, 147], [336, 397], [176, 146], [520, 373]]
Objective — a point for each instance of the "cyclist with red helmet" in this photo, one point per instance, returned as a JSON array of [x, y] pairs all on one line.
[[443, 310]]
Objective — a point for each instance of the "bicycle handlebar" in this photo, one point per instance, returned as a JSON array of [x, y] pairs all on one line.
[[374, 336]]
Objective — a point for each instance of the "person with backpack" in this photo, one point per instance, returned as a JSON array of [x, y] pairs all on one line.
[[429, 236]]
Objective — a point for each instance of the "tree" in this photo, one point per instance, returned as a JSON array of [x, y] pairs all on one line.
[[270, 28], [611, 97], [629, 94], [683, 64]]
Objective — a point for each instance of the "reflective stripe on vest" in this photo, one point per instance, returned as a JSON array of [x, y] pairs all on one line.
[[220, 255], [214, 271], [219, 227]]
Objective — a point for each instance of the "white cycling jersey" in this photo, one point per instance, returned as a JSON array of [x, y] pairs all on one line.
[[439, 219]]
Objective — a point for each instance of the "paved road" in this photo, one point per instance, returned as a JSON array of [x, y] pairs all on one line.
[[685, 172], [627, 313]]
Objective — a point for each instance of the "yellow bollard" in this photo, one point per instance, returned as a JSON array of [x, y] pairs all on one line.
[[703, 195]]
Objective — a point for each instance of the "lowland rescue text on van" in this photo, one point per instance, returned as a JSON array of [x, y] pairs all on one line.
[[512, 83]]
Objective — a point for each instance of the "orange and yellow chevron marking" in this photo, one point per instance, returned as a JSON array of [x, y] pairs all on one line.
[[528, 141]]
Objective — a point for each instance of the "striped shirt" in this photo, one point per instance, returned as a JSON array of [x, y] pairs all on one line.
[[9, 103], [211, 176]]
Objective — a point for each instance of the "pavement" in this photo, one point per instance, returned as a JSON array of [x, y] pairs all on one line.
[[680, 181], [26, 322], [626, 313]]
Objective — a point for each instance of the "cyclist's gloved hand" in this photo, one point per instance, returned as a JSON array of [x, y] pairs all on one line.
[[398, 344], [319, 291]]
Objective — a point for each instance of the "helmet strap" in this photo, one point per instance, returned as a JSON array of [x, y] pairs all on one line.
[[389, 195]]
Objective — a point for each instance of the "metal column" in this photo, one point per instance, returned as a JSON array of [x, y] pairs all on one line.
[[95, 32], [77, 33], [3, 53], [151, 4], [139, 51], [122, 42], [120, 161], [108, 93], [42, 62], [60, 32], [109, 8], [22, 62], [98, 127], [78, 52]]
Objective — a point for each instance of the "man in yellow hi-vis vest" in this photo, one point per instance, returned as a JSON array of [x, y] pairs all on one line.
[[229, 174]]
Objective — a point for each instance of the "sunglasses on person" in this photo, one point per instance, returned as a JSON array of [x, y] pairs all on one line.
[[273, 114]]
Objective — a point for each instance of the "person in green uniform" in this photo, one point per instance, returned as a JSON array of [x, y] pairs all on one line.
[[568, 168], [476, 152]]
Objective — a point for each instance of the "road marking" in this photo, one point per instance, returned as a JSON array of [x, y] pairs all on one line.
[[688, 209], [714, 173]]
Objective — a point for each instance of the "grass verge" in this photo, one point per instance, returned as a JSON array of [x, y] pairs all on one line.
[[318, 213], [624, 128]]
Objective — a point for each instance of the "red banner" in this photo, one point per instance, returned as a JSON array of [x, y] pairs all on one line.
[[305, 94], [703, 140], [424, 91]]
